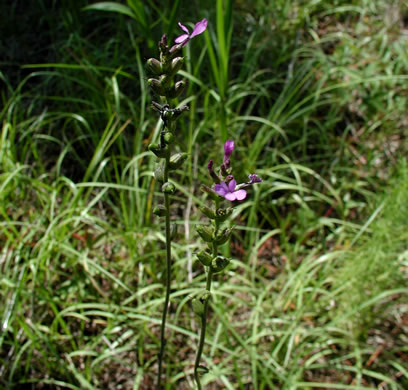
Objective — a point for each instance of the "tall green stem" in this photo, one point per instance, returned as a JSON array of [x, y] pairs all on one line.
[[168, 272], [204, 315]]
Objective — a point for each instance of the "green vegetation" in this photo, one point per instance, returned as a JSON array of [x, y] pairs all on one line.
[[314, 94]]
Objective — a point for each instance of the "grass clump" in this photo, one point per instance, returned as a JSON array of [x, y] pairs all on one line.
[[376, 262]]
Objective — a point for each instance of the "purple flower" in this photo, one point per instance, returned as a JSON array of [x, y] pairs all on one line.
[[199, 28], [228, 191]]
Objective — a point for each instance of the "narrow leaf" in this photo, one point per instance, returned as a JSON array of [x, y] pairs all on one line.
[[110, 6]]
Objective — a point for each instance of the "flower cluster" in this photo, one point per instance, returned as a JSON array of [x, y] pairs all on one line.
[[167, 87], [225, 187], [170, 63], [214, 235]]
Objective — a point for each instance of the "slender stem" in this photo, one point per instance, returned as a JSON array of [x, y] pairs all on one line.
[[204, 315], [168, 273]]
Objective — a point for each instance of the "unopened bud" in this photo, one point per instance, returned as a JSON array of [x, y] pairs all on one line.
[[219, 264], [159, 210], [168, 188], [223, 214], [159, 173], [154, 66], [173, 231], [157, 150], [223, 236], [156, 86], [176, 64], [208, 212], [204, 258], [198, 307], [205, 232], [163, 43], [213, 175], [199, 301], [164, 80], [168, 138], [177, 89], [174, 50], [177, 160]]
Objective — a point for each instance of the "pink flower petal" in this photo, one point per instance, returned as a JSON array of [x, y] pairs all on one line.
[[184, 28], [220, 190], [224, 185], [199, 28], [182, 38], [240, 194], [231, 185], [230, 196]]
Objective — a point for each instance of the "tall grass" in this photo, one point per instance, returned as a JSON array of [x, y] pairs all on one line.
[[314, 94]]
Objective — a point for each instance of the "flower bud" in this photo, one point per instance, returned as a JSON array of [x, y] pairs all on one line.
[[158, 151], [163, 47], [176, 64], [156, 86], [174, 50], [223, 236], [168, 138], [176, 90], [219, 264], [213, 175], [198, 307], [177, 160], [205, 232], [208, 212], [168, 188], [173, 231], [154, 66], [199, 301], [223, 214], [159, 173], [164, 80], [159, 210], [204, 258]]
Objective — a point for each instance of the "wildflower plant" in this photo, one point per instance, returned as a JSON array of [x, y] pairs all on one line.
[[165, 85], [225, 188]]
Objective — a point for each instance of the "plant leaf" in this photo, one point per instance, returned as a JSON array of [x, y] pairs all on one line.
[[110, 6]]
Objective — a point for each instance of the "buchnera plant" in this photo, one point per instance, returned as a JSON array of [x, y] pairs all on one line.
[[167, 86], [224, 190]]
